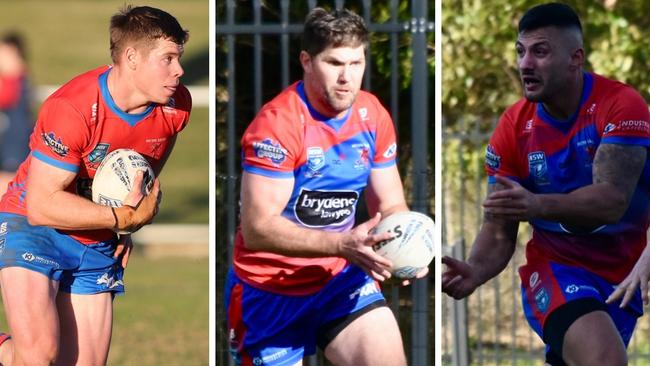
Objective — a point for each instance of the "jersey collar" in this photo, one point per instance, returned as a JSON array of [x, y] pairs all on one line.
[[335, 123], [130, 118], [565, 125]]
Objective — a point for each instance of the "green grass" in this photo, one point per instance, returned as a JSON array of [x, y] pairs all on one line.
[[163, 317], [67, 37], [184, 180]]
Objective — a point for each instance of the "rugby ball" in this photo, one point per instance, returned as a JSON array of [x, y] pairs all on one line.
[[412, 247], [114, 177]]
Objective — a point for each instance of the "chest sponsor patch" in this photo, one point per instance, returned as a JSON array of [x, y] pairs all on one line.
[[324, 208]]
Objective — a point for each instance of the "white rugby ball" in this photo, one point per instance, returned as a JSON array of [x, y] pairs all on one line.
[[412, 248], [114, 177]]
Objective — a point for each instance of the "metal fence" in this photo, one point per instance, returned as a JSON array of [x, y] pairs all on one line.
[[489, 328], [257, 54]]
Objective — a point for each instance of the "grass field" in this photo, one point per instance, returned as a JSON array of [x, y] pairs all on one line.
[[163, 317]]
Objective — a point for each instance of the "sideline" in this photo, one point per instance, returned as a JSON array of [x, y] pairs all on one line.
[[160, 240]]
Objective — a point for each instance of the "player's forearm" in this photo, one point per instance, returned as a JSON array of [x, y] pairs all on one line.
[[276, 234], [492, 249], [67, 211], [593, 205]]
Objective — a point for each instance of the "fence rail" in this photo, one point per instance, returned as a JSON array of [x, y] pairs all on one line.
[[270, 47]]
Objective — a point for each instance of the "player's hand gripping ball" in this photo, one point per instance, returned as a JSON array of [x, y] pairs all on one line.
[[115, 175], [412, 247]]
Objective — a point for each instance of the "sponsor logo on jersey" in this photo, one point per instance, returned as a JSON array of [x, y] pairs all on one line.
[[3, 228], [93, 113], [268, 149], [635, 125], [538, 168], [2, 245], [363, 114], [29, 257], [155, 146], [315, 158], [364, 156], [365, 290], [591, 108], [542, 300], [492, 159], [98, 154], [529, 125], [390, 152], [609, 128], [324, 208], [110, 282], [55, 144]]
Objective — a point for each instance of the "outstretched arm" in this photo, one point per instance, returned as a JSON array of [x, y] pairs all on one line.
[[490, 254]]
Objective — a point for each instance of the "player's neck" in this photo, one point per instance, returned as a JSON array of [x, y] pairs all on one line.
[[564, 105], [124, 94]]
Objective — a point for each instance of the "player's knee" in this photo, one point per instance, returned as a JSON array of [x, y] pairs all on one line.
[[601, 356], [37, 352]]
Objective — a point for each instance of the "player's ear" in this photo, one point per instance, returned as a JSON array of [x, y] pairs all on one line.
[[305, 61], [578, 58], [130, 57]]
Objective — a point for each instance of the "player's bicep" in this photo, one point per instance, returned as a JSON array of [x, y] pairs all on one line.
[[43, 180], [620, 166], [263, 197], [385, 192]]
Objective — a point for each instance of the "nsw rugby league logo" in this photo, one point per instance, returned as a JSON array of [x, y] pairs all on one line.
[[97, 155]]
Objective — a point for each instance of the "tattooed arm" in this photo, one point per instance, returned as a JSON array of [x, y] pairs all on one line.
[[616, 172]]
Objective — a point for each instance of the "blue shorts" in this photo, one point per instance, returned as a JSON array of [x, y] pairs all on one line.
[[546, 286], [271, 329], [79, 268]]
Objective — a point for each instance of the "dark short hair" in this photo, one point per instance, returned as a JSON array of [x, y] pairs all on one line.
[[338, 28], [551, 14], [14, 39], [143, 24]]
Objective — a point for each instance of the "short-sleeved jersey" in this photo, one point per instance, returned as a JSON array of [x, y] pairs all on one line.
[[80, 123], [330, 162], [549, 156]]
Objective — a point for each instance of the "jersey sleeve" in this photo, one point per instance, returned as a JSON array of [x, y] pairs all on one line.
[[271, 145], [60, 135], [500, 154], [627, 120], [386, 140], [183, 104]]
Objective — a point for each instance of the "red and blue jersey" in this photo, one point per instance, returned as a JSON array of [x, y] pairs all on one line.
[[330, 162], [549, 156], [80, 123]]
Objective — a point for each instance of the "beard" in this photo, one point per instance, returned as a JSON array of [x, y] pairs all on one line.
[[340, 103]]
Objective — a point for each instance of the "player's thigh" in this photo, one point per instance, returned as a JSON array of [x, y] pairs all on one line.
[[86, 327], [594, 340], [371, 339], [30, 310]]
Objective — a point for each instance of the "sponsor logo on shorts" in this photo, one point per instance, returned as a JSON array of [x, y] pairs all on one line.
[[367, 289], [492, 159], [268, 149], [3, 228], [538, 168], [270, 358], [533, 281], [97, 155], [573, 288], [110, 282], [542, 300], [55, 144], [30, 257], [324, 208]]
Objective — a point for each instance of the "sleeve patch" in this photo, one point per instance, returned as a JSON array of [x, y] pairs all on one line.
[[55, 144], [633, 126], [492, 159], [390, 151], [270, 150]]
